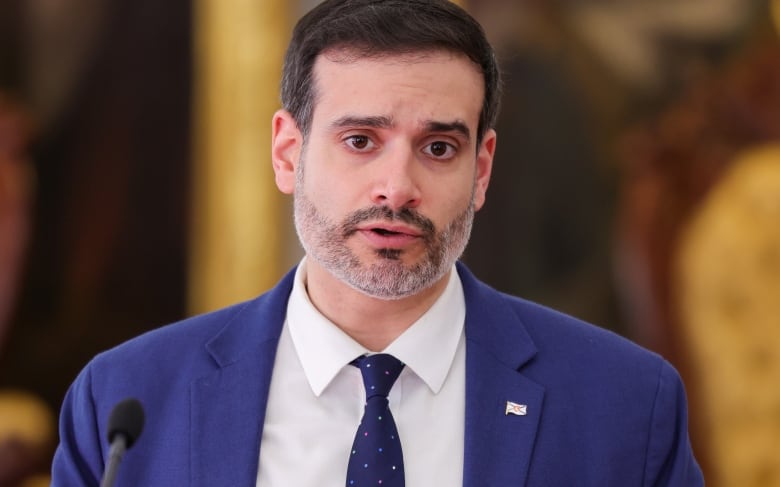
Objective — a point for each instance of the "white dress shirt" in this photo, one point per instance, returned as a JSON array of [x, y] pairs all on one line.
[[316, 398]]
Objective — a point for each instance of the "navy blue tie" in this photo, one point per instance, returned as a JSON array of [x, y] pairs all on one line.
[[376, 458]]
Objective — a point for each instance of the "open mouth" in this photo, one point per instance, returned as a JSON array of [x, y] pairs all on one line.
[[390, 237], [383, 232]]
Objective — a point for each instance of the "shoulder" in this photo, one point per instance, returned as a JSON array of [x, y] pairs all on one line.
[[599, 388], [164, 362], [183, 343], [201, 343], [554, 331], [161, 369], [584, 351], [558, 349]]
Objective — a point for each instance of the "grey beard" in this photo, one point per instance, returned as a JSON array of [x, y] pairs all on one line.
[[326, 242]]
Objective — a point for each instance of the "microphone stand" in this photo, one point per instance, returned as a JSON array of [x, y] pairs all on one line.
[[115, 453]]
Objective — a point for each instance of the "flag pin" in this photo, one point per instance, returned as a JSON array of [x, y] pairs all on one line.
[[516, 409]]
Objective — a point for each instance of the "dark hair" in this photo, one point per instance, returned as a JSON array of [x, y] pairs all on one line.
[[384, 27]]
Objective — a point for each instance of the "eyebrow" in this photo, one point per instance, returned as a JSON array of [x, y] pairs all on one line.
[[383, 122], [456, 126], [379, 122]]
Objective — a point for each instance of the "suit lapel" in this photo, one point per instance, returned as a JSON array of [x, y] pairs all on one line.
[[228, 406], [498, 446]]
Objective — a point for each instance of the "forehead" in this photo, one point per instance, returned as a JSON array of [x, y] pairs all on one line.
[[429, 83]]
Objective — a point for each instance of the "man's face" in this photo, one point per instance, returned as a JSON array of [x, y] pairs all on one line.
[[388, 180]]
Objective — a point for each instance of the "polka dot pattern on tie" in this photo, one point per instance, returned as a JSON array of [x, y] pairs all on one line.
[[376, 457]]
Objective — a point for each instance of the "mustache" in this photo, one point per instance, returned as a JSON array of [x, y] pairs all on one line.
[[406, 215]]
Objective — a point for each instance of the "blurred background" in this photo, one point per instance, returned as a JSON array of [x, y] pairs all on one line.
[[636, 185]]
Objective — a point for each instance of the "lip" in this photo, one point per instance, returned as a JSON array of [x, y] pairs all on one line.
[[390, 228], [388, 235]]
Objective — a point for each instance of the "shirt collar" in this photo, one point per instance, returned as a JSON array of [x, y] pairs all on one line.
[[427, 347]]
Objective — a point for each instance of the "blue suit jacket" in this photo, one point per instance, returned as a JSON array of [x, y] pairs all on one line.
[[600, 410]]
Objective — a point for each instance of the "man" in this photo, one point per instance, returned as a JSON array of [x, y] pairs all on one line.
[[386, 143]]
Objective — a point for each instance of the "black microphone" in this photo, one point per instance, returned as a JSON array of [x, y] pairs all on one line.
[[124, 426]]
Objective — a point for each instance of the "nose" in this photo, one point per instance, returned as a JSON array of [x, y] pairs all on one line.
[[396, 182]]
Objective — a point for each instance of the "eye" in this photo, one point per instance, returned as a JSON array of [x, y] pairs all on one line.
[[440, 150], [359, 143]]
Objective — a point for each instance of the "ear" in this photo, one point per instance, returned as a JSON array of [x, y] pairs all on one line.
[[485, 154], [286, 143]]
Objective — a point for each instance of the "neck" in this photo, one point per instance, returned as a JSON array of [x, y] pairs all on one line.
[[372, 322]]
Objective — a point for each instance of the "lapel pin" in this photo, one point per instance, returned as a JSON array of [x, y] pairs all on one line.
[[516, 409]]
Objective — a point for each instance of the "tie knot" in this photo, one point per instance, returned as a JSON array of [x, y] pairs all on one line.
[[380, 372]]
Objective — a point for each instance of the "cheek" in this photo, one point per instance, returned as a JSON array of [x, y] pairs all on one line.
[[326, 194], [448, 201], [337, 190]]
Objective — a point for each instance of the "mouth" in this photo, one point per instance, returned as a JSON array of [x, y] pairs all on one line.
[[389, 235], [383, 232], [391, 230], [380, 222]]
